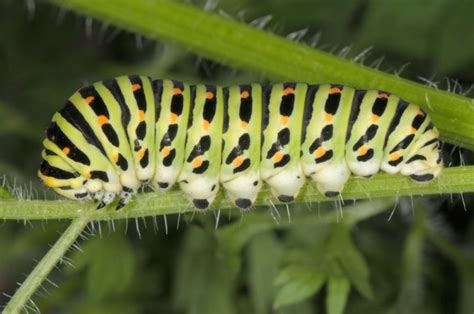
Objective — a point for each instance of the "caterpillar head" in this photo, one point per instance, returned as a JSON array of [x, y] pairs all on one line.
[[63, 181]]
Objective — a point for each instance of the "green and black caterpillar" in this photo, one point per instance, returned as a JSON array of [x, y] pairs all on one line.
[[116, 135]]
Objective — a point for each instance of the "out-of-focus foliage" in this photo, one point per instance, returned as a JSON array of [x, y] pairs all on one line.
[[424, 34], [420, 261]]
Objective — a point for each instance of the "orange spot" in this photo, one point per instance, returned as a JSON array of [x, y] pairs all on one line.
[[115, 157], [66, 150], [89, 99], [237, 161], [288, 91], [362, 150], [277, 157], [244, 94], [328, 117], [382, 95], [102, 120], [394, 156], [334, 90], [244, 124], [141, 115], [165, 151], [210, 95], [197, 162], [173, 118], [87, 175], [141, 153], [320, 151], [49, 182], [205, 125], [177, 91], [284, 120], [374, 118], [413, 130], [136, 87]]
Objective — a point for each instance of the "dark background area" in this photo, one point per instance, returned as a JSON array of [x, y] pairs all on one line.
[[47, 53]]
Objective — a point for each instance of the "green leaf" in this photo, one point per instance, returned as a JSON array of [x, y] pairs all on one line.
[[351, 260], [297, 283], [237, 234], [304, 307], [410, 297], [466, 274], [263, 257], [203, 282], [338, 293], [464, 263], [233, 237]]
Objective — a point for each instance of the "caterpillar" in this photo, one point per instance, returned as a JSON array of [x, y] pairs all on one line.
[[116, 135]]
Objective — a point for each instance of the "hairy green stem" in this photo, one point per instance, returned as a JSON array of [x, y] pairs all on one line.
[[242, 46], [453, 180], [23, 295]]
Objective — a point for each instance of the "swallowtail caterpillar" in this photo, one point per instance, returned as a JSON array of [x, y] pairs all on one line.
[[116, 135]]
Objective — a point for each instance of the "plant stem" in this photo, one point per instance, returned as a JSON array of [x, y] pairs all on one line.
[[242, 46], [23, 295], [453, 180]]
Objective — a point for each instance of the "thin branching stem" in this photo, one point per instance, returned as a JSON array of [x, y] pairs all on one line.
[[36, 278]]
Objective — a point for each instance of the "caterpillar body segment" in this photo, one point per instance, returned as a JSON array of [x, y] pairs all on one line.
[[199, 177], [323, 148], [134, 95], [372, 113], [242, 136], [172, 101], [280, 166], [115, 135]]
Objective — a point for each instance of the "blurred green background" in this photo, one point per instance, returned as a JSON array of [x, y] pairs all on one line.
[[419, 262]]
